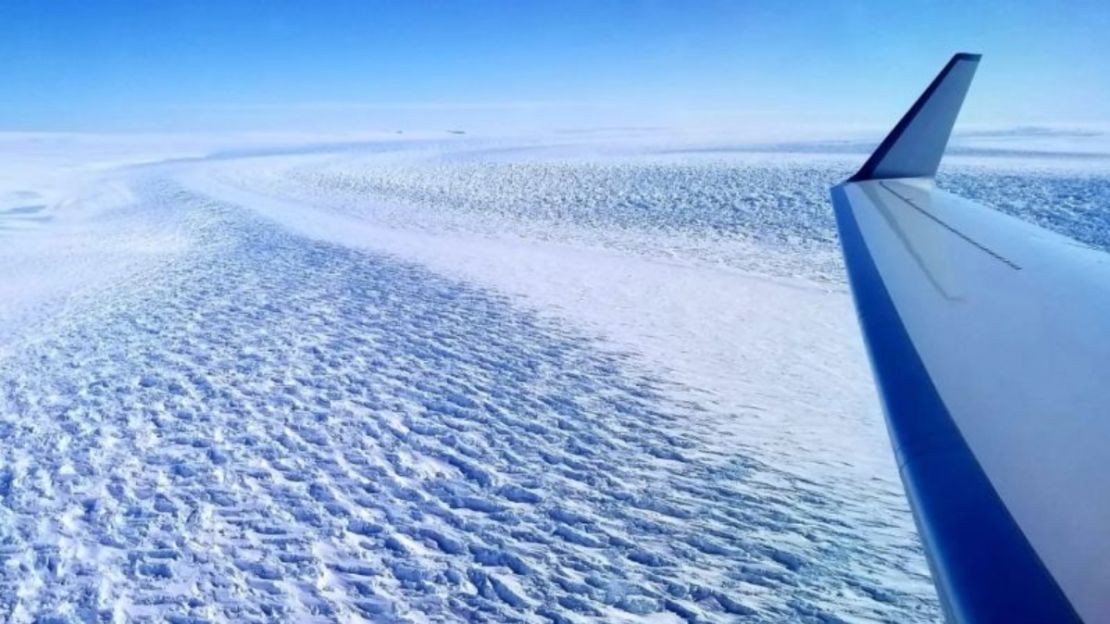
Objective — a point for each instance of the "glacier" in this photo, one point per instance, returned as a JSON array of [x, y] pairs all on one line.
[[451, 379]]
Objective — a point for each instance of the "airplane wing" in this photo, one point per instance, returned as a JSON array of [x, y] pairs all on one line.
[[989, 339]]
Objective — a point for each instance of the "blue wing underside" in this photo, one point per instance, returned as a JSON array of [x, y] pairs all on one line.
[[987, 339]]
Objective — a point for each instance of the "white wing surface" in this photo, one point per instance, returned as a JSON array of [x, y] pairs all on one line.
[[990, 342]]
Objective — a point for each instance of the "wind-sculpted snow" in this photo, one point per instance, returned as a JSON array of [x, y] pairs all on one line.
[[455, 382], [773, 203], [767, 217], [281, 429], [759, 212]]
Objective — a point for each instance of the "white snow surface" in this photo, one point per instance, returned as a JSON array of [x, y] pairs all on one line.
[[450, 380]]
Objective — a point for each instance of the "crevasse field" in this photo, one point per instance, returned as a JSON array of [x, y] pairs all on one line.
[[425, 379]]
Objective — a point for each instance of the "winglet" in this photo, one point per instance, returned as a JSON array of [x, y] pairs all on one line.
[[914, 147]]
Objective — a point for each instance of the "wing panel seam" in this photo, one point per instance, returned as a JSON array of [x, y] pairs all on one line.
[[944, 224]]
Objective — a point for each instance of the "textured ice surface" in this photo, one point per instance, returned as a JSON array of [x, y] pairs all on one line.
[[421, 383], [761, 213]]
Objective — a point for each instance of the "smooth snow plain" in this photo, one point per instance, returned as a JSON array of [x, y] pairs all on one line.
[[430, 380]]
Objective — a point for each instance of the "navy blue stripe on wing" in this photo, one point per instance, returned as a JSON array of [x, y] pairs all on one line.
[[984, 567]]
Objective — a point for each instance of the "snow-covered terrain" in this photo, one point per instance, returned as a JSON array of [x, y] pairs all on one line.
[[441, 380]]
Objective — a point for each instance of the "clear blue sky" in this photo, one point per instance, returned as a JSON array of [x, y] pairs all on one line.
[[154, 65]]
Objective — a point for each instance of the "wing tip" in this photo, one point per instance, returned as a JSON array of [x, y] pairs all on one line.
[[939, 118]]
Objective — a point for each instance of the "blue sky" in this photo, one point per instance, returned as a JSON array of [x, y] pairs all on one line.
[[362, 65]]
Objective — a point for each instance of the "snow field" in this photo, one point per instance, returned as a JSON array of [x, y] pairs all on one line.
[[416, 383]]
